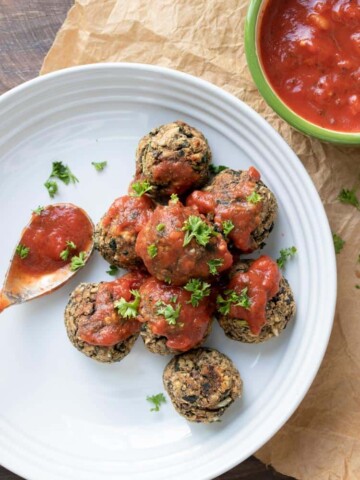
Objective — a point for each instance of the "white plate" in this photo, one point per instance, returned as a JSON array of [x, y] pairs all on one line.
[[64, 416]]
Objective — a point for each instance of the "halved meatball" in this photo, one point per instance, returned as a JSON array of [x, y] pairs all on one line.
[[176, 319], [173, 158], [178, 244], [116, 233], [93, 322], [257, 304], [202, 384], [240, 205]]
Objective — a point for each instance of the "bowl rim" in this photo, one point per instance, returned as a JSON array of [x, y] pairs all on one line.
[[272, 99]]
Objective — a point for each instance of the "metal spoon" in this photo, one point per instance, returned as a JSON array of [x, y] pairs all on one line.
[[20, 285]]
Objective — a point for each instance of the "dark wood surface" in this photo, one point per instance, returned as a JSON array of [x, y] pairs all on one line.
[[27, 30]]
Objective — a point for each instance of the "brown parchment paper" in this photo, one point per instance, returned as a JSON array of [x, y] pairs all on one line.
[[205, 38]]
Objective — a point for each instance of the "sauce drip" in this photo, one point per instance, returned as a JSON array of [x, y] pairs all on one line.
[[262, 283]]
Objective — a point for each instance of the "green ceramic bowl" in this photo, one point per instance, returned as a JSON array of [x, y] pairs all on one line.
[[253, 20]]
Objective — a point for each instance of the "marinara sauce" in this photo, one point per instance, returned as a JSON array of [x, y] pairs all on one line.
[[310, 51]]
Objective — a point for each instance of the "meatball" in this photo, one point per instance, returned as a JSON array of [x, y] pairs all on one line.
[[93, 323], [176, 319], [178, 244], [202, 384], [116, 233], [258, 302], [240, 205], [173, 158]]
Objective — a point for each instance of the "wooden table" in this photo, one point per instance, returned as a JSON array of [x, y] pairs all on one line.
[[27, 30]]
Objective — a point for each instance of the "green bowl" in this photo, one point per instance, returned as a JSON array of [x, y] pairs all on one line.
[[253, 20]]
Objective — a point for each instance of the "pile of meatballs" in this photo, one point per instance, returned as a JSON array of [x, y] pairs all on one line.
[[182, 232]]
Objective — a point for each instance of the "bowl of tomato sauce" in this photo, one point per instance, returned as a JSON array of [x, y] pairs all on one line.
[[304, 56]]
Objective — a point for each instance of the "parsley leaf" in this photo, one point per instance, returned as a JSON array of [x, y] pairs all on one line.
[[214, 264], [99, 166], [174, 198], [156, 400], [170, 313], [215, 169], [38, 210], [199, 291], [63, 173], [285, 255], [233, 298], [152, 250], [357, 286], [128, 309], [227, 226], [64, 255], [349, 197], [52, 188], [254, 197], [140, 188], [160, 227], [113, 270], [22, 251], [338, 243], [198, 229], [77, 262]]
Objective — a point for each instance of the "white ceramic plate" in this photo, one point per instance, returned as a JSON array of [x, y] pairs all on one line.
[[64, 416]]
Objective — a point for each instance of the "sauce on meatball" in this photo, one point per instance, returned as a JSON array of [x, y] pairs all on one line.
[[128, 213]]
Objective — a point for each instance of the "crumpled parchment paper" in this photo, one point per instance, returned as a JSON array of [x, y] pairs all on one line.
[[206, 38]]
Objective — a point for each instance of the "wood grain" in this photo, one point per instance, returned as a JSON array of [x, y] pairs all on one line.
[[27, 30]]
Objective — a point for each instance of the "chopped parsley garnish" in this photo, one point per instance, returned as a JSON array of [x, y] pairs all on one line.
[[64, 255], [152, 250], [198, 229], [357, 286], [22, 251], [63, 173], [338, 243], [173, 299], [227, 226], [38, 210], [358, 260], [168, 280], [99, 166], [128, 309], [285, 255], [174, 198], [77, 262], [160, 227], [254, 197], [52, 188], [233, 298], [156, 400], [215, 169], [113, 270], [140, 188], [198, 289], [214, 264], [170, 313], [349, 197]]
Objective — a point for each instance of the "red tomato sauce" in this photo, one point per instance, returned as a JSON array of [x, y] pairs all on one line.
[[46, 237], [310, 51], [128, 213], [262, 283], [192, 322], [105, 327]]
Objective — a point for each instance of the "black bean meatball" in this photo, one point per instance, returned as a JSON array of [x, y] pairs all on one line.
[[116, 233], [173, 158], [240, 205], [202, 384]]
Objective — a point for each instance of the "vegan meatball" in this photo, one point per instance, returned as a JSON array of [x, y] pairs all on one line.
[[202, 384], [116, 233], [257, 304], [178, 244], [173, 158], [101, 318], [240, 205], [176, 319]]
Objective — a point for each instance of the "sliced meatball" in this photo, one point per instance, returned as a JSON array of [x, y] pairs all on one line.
[[178, 244], [176, 319], [116, 233], [257, 304], [93, 324], [240, 205], [173, 158], [202, 384]]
